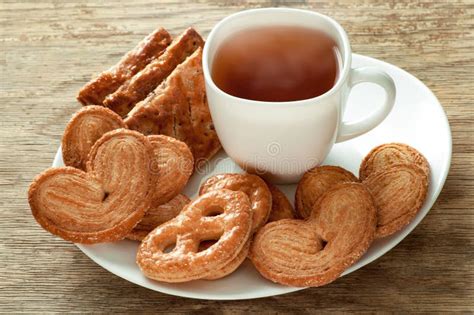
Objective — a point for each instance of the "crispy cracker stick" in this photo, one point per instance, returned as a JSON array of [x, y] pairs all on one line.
[[145, 81], [135, 60], [178, 108]]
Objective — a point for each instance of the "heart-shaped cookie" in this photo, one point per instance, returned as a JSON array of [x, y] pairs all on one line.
[[172, 165], [104, 203], [255, 188], [316, 251], [83, 130], [170, 253], [383, 156], [315, 183], [399, 192]]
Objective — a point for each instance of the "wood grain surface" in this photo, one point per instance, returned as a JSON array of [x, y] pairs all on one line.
[[49, 49]]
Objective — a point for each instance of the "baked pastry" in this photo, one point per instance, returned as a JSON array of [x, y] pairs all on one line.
[[252, 185], [315, 183], [158, 215], [83, 130], [150, 48], [385, 155], [141, 84], [178, 108], [172, 165], [232, 266], [281, 206], [316, 251], [104, 203], [170, 252], [399, 192]]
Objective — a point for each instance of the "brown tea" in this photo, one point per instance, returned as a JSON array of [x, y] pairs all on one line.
[[276, 64]]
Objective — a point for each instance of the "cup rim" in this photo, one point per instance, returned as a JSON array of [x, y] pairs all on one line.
[[340, 81]]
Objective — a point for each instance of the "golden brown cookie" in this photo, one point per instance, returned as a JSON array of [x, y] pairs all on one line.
[[170, 253], [172, 164], [399, 193], [83, 130], [150, 48], [102, 204], [385, 155], [315, 183], [316, 251], [232, 266], [178, 108], [281, 206], [158, 215], [141, 84], [252, 185]]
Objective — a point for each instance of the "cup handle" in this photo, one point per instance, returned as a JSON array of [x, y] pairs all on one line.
[[349, 130]]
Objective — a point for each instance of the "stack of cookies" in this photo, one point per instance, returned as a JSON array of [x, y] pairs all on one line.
[[158, 88], [132, 148]]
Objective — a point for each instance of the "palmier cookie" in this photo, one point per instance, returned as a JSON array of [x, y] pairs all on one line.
[[158, 215], [83, 130], [385, 155], [104, 203], [315, 183], [281, 206], [399, 193], [172, 164], [316, 251], [170, 252], [255, 188]]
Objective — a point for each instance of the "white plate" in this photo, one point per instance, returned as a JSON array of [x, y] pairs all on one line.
[[417, 119]]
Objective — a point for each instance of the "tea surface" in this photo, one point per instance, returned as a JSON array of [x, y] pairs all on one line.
[[276, 64]]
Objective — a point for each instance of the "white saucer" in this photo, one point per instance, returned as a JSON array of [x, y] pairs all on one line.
[[417, 119]]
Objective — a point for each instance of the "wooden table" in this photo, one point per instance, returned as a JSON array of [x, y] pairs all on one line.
[[49, 49]]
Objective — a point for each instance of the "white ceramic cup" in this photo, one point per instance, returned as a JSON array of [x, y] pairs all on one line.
[[282, 140]]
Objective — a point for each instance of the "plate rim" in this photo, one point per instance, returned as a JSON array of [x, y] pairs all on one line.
[[401, 235]]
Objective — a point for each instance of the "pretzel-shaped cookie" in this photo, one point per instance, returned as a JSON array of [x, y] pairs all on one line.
[[104, 203], [232, 266], [252, 185], [316, 251], [221, 215], [158, 215]]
